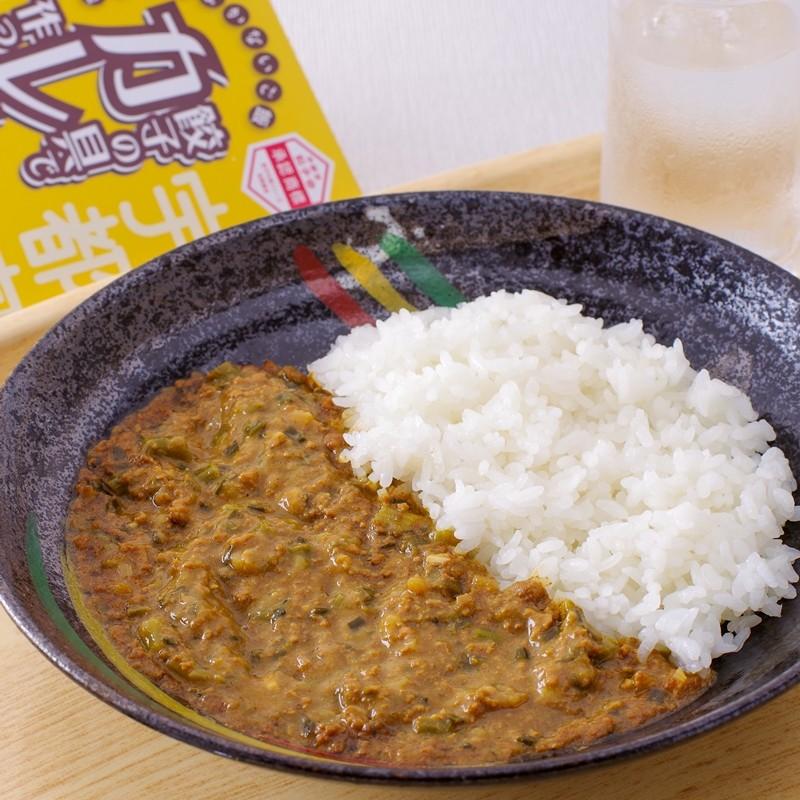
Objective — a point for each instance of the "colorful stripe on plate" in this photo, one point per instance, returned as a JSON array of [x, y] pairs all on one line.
[[368, 274], [421, 271], [423, 274], [321, 283]]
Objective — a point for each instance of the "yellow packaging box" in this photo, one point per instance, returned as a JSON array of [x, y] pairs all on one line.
[[128, 128]]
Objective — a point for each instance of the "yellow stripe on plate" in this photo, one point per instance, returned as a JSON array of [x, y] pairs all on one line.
[[370, 277]]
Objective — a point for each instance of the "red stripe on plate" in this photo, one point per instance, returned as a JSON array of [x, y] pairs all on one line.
[[324, 286]]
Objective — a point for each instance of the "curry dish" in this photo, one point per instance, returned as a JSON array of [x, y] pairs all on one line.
[[234, 559]]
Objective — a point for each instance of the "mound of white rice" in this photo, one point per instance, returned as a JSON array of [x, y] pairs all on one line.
[[592, 457]]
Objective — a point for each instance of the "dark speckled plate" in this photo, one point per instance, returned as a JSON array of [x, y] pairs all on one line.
[[283, 288]]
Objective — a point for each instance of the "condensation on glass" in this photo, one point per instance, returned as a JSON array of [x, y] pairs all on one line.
[[704, 117]]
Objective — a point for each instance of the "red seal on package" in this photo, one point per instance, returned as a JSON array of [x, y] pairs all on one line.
[[287, 172]]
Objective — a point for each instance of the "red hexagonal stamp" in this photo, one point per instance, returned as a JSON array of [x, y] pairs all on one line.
[[287, 172]]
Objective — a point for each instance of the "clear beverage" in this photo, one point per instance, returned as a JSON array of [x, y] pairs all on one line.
[[704, 117]]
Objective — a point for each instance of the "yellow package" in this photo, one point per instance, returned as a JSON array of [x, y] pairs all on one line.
[[128, 128]]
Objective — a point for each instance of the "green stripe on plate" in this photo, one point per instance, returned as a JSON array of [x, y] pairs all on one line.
[[33, 551], [421, 271]]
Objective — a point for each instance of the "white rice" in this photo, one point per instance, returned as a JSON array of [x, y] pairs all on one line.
[[592, 457]]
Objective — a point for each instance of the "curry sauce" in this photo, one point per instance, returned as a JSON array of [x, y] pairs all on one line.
[[235, 560]]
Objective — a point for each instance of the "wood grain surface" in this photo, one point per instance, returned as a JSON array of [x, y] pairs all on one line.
[[57, 742]]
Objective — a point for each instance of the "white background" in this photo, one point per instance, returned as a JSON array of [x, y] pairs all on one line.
[[415, 87]]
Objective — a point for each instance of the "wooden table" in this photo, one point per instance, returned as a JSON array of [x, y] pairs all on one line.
[[57, 741]]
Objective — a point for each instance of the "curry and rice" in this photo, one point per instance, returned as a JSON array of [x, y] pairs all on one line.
[[249, 547]]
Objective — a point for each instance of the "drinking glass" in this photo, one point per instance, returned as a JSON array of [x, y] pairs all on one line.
[[703, 118]]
